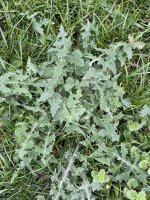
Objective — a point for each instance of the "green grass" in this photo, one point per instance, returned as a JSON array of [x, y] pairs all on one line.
[[114, 20]]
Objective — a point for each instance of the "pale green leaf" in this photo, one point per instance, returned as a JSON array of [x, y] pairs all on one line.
[[76, 58], [145, 111], [141, 196], [55, 103], [132, 183], [101, 176], [40, 197], [124, 150], [133, 126], [38, 27], [31, 67], [131, 194]]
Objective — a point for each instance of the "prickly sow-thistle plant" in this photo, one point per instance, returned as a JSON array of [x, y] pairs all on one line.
[[74, 98]]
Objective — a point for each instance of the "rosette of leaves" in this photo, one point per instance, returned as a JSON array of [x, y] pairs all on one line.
[[72, 98]]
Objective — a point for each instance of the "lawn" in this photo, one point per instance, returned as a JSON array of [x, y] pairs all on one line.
[[74, 100]]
